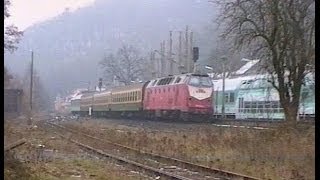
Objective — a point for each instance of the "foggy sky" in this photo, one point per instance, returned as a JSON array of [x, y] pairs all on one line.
[[25, 13]]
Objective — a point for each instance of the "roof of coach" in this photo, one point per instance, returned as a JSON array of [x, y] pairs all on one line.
[[127, 88], [103, 93], [87, 95]]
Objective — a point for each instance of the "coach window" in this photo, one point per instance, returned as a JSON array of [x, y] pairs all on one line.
[[231, 97], [226, 97], [260, 106], [246, 106], [254, 107], [127, 96]]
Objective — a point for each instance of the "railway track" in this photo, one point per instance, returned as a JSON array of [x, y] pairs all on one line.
[[162, 166]]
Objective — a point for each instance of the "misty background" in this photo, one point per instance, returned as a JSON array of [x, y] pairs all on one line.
[[68, 48]]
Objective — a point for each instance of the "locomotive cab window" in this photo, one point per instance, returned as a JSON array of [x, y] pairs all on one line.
[[200, 81]]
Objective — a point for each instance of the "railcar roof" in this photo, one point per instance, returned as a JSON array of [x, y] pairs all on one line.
[[232, 83], [102, 93], [76, 97]]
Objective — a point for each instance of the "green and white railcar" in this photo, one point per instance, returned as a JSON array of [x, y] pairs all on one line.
[[258, 99], [230, 95], [307, 101], [253, 97]]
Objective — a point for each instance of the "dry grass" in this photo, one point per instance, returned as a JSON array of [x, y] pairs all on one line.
[[270, 154], [64, 160]]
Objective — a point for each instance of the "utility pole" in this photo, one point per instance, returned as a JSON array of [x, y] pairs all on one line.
[[161, 59], [187, 50], [153, 64], [163, 62], [190, 60], [180, 52], [31, 88], [170, 53], [223, 88]]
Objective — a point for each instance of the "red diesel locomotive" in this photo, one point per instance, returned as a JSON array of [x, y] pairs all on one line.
[[180, 96], [174, 97]]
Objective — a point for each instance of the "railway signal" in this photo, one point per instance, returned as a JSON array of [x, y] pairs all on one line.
[[195, 54], [100, 83]]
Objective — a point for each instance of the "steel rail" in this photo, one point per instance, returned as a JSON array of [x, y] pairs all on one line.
[[183, 163]]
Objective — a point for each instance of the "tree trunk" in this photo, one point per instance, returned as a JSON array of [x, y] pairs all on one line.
[[291, 113]]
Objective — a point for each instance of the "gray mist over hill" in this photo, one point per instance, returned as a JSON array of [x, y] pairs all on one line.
[[68, 48]]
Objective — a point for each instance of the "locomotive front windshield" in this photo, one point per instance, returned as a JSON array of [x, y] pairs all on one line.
[[199, 81]]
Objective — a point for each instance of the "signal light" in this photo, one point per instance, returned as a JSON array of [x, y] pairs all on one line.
[[195, 52]]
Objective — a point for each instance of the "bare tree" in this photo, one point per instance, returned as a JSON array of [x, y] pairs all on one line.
[[127, 65], [11, 34], [7, 77], [281, 33], [40, 97]]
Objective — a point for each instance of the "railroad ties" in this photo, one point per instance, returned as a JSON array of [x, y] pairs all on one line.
[[152, 164]]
